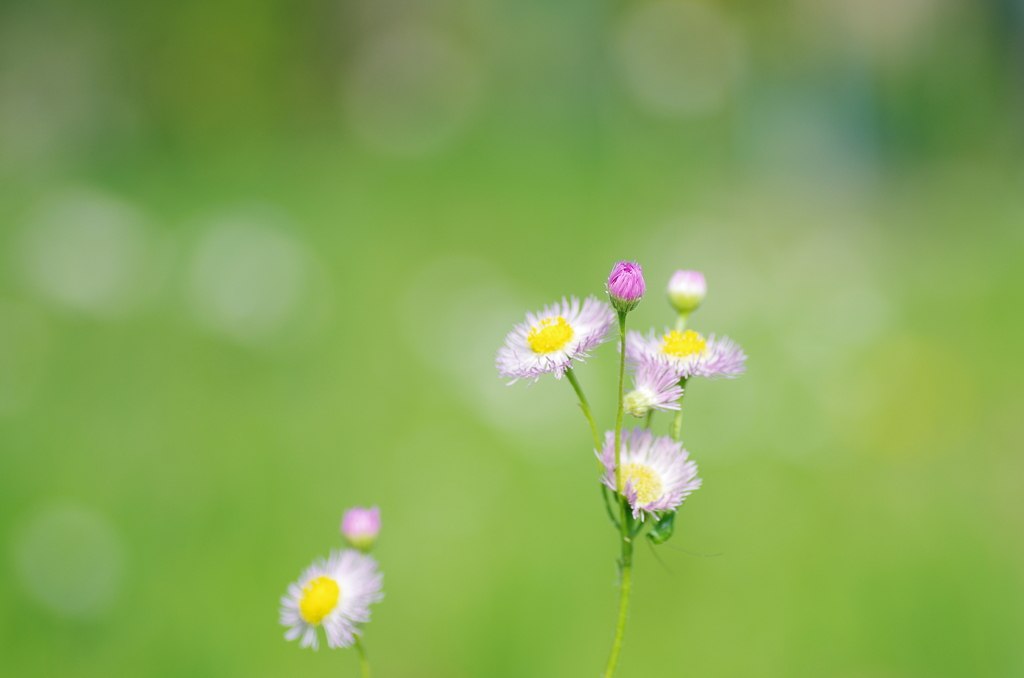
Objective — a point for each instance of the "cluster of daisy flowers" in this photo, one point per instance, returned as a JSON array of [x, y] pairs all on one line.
[[644, 477], [335, 593]]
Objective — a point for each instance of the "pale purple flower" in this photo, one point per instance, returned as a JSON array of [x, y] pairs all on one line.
[[688, 353], [361, 526], [686, 291], [655, 387], [549, 341], [656, 471], [626, 286], [335, 593]]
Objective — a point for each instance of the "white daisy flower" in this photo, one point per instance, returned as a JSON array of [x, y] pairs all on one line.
[[656, 471], [550, 340], [335, 593], [688, 353]]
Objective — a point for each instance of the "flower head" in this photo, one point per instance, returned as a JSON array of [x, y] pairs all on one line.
[[656, 471], [688, 353], [361, 526], [550, 340], [686, 291], [335, 593], [655, 387], [626, 286]]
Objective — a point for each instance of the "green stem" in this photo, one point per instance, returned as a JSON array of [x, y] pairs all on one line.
[[681, 322], [621, 410], [585, 406], [364, 663], [676, 428], [626, 561], [627, 586], [650, 415]]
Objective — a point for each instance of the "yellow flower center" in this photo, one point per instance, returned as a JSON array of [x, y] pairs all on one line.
[[318, 599], [646, 482], [552, 335], [682, 345]]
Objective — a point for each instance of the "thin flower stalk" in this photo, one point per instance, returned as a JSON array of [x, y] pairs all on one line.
[[644, 476]]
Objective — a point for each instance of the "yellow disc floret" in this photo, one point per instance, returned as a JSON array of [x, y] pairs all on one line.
[[319, 597], [646, 481], [552, 335], [681, 345]]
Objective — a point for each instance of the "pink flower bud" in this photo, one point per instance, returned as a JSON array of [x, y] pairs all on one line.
[[686, 291], [626, 286], [361, 526]]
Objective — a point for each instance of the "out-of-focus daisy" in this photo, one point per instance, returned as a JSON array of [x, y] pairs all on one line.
[[550, 340], [655, 387], [656, 471], [688, 353], [686, 291], [360, 526], [336, 594]]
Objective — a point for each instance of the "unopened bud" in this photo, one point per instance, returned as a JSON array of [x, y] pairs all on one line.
[[638, 402], [686, 291], [626, 286], [360, 526]]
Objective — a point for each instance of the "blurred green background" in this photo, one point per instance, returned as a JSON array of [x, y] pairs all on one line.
[[256, 258]]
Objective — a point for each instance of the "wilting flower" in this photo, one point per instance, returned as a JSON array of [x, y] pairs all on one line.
[[656, 472], [655, 387], [361, 527], [688, 353], [626, 286], [550, 340], [686, 291], [335, 593]]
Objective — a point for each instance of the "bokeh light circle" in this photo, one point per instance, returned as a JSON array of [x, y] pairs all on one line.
[[411, 91], [54, 96], [71, 561], [88, 252], [250, 276], [679, 58]]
